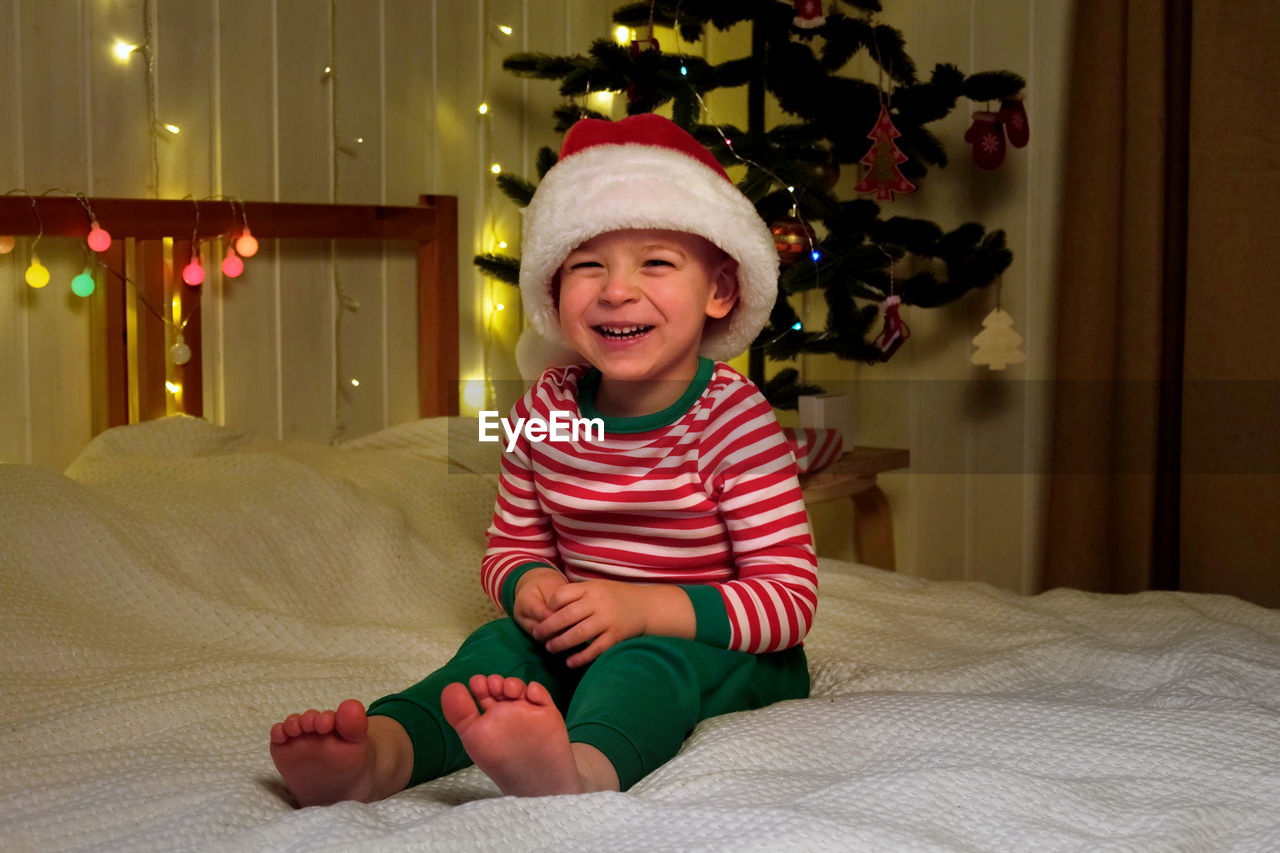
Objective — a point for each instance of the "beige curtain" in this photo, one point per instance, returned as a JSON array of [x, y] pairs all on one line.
[[1167, 400]]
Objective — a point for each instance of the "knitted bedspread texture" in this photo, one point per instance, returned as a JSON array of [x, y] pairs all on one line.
[[182, 586]]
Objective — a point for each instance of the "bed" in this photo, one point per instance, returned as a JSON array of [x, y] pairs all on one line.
[[183, 585]]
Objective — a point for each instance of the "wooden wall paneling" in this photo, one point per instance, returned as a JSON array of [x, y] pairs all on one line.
[[437, 392], [241, 326], [458, 46], [54, 141], [306, 328], [189, 376], [14, 364], [408, 146], [358, 265], [109, 350], [996, 402], [185, 65], [119, 133]]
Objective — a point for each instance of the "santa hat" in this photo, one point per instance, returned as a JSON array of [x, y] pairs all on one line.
[[641, 172]]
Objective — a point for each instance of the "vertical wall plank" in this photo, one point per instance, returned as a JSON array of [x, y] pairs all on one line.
[[241, 325], [184, 97], [119, 130], [15, 416], [408, 144]]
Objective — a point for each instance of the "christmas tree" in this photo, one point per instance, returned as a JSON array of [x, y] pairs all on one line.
[[843, 248]]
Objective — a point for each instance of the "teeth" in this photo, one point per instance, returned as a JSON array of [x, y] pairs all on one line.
[[623, 331]]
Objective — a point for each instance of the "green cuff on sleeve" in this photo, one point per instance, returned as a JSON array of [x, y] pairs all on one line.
[[508, 594], [710, 615]]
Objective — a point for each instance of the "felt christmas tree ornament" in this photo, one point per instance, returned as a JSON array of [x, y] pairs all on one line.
[[642, 172]]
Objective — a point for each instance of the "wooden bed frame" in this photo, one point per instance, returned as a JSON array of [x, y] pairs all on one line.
[[148, 222]]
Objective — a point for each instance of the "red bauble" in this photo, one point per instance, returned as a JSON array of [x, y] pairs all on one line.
[[793, 239]]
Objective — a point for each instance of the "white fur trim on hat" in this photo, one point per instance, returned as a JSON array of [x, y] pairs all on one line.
[[609, 187]]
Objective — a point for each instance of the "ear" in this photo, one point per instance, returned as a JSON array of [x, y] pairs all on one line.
[[725, 295]]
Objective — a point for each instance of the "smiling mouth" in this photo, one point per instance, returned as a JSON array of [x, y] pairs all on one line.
[[621, 333]]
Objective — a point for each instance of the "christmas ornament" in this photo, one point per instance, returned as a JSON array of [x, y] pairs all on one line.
[[634, 92], [986, 134], [827, 172], [998, 345], [808, 14], [792, 237], [1013, 115], [895, 332], [883, 177]]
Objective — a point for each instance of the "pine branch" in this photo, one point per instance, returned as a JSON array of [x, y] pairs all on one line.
[[501, 267], [516, 188]]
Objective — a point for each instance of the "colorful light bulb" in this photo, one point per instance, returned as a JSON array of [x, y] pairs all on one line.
[[37, 274], [180, 352], [246, 245], [99, 240], [193, 272], [6, 244], [232, 266], [82, 285]]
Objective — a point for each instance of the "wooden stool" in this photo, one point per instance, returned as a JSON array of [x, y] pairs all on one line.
[[853, 476]]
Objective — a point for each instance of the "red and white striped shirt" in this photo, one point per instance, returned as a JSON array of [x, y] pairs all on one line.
[[703, 494]]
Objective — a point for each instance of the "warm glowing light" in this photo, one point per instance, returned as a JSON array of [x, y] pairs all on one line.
[[483, 109], [6, 244], [82, 285], [193, 272], [123, 50], [502, 244], [37, 274], [172, 128], [622, 35], [246, 244], [174, 388], [328, 69], [498, 306], [232, 266], [604, 100], [180, 353], [473, 394], [355, 383], [506, 31], [99, 240], [360, 140], [496, 168]]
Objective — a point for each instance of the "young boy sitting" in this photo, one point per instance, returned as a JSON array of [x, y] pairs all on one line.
[[651, 579]]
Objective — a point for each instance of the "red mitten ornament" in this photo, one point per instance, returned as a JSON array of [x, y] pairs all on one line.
[[808, 14], [987, 137], [895, 332], [883, 177], [1013, 115]]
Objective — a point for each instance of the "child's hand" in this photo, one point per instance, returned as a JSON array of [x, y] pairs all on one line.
[[597, 612], [533, 592]]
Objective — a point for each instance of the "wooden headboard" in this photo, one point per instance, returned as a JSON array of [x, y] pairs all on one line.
[[432, 224]]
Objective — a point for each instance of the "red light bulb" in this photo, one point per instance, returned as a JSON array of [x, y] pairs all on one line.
[[193, 272], [99, 240], [247, 244], [232, 266]]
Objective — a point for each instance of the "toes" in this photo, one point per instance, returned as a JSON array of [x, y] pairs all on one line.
[[308, 721], [350, 721], [277, 733], [458, 706], [538, 695], [497, 686], [293, 725], [479, 685], [512, 688], [324, 723]]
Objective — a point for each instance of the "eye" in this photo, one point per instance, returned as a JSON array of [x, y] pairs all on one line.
[[578, 265], [659, 262]]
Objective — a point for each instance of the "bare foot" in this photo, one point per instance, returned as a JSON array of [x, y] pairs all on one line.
[[517, 736], [326, 756]]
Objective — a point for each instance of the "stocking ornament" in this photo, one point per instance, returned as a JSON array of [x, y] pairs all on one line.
[[895, 332], [1013, 115], [986, 134], [883, 177], [808, 15]]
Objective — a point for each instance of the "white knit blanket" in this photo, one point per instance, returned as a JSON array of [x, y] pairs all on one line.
[[183, 586]]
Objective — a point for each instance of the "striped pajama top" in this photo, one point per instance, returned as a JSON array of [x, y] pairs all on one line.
[[703, 494]]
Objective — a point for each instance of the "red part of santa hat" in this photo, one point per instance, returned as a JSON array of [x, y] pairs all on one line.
[[641, 172]]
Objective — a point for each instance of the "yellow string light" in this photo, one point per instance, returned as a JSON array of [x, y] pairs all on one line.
[[483, 109], [122, 50]]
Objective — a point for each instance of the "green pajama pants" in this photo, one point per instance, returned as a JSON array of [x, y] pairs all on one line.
[[636, 703]]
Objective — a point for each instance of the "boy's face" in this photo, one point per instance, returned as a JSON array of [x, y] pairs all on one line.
[[634, 302]]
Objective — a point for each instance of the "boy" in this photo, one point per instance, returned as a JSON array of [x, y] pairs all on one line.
[[651, 579]]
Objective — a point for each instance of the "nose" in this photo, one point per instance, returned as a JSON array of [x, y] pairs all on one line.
[[618, 288]]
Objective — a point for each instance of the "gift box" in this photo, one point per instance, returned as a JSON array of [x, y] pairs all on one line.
[[814, 449]]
